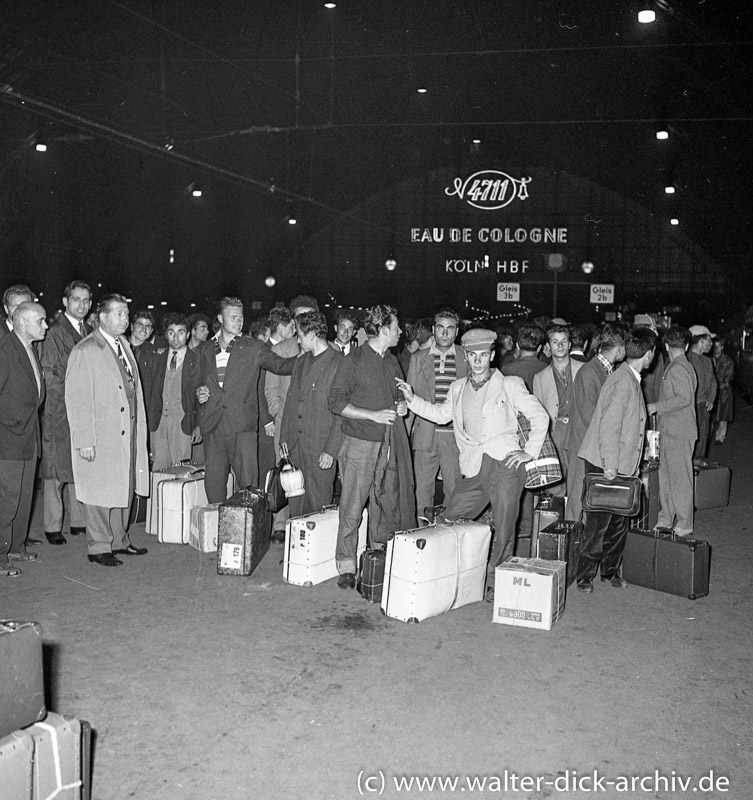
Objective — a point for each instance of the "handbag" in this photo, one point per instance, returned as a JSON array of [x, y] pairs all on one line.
[[283, 481], [545, 469], [620, 496]]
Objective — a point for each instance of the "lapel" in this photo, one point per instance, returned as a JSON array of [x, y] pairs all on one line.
[[427, 368], [26, 368], [230, 371], [461, 365], [73, 332]]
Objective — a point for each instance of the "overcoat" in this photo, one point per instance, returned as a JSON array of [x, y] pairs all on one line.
[[99, 417]]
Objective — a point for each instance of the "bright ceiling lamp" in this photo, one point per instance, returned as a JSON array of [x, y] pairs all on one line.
[[646, 16], [662, 134], [669, 189]]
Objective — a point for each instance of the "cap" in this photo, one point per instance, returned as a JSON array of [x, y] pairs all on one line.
[[644, 321], [559, 321], [478, 339], [700, 330]]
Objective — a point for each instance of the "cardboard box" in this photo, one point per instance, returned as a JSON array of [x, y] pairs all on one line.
[[529, 593], [205, 522]]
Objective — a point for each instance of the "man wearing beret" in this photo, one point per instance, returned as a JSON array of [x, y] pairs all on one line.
[[483, 407]]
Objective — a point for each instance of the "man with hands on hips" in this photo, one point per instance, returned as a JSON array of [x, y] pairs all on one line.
[[483, 408]]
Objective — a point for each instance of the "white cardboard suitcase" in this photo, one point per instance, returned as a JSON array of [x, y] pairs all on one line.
[[434, 569], [205, 521], [57, 768], [310, 542], [157, 477], [176, 499], [16, 758]]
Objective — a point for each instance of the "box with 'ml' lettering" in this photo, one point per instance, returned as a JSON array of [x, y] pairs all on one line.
[[529, 592]]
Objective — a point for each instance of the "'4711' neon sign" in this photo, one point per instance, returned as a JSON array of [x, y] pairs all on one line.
[[489, 189]]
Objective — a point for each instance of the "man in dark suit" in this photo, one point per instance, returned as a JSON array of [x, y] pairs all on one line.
[[228, 412], [310, 430], [346, 328], [21, 395], [105, 404], [170, 376], [430, 373], [613, 446], [57, 471], [13, 296]]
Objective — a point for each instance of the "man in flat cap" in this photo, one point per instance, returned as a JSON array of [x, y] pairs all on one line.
[[483, 407]]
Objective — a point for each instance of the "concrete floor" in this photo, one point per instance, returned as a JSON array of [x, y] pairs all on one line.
[[209, 687]]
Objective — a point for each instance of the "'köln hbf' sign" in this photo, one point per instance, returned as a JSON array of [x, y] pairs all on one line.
[[489, 190]]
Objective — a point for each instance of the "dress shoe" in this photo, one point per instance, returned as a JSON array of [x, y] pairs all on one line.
[[131, 550], [78, 531], [585, 586], [23, 557], [347, 580], [615, 580], [55, 537], [6, 571], [105, 560], [33, 542]]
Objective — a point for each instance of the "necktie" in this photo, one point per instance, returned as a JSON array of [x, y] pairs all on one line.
[[174, 362], [81, 329], [124, 360]]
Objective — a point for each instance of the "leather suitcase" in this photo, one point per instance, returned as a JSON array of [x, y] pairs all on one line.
[[649, 513], [16, 759], [562, 541], [667, 563], [244, 532], [371, 575], [434, 569], [61, 767], [310, 544], [205, 522], [549, 509], [21, 675], [711, 486]]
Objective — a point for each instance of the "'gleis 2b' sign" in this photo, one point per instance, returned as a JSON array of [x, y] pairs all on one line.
[[602, 293]]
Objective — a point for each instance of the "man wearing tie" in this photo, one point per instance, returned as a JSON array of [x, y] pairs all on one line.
[[105, 405], [57, 471], [21, 395], [346, 328]]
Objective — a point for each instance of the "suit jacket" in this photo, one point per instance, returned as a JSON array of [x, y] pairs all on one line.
[[154, 361], [545, 387], [421, 378], [20, 401], [307, 421], [504, 398], [675, 409], [100, 416], [586, 390], [276, 386], [54, 351], [614, 439], [236, 402]]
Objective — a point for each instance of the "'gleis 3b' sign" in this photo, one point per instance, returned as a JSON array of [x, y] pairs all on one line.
[[489, 189]]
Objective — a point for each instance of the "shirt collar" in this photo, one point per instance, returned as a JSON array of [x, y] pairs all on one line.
[[75, 322], [111, 340], [635, 372], [608, 366], [434, 350]]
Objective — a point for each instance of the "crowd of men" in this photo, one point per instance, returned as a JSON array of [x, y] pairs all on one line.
[[103, 409]]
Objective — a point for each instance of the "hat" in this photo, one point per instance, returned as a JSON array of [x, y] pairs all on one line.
[[644, 321], [559, 321], [701, 330], [478, 339]]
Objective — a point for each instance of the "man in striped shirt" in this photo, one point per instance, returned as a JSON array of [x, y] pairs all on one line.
[[430, 373]]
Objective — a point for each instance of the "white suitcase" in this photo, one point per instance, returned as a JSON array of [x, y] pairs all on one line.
[[310, 542], [57, 770], [16, 759], [434, 569], [205, 521], [152, 502], [176, 499]]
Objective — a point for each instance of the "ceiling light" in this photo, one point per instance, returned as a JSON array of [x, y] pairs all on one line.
[[292, 220], [662, 134], [422, 90], [669, 189], [40, 147], [269, 282], [330, 5], [674, 221], [646, 16], [476, 141]]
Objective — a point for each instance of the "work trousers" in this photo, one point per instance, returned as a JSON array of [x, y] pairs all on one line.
[[604, 537], [676, 485], [426, 465], [357, 461], [53, 506], [501, 486], [16, 490], [225, 448]]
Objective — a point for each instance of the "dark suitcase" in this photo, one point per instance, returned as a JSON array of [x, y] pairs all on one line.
[[649, 513], [711, 486], [561, 541], [667, 563], [244, 532], [21, 675], [371, 575], [548, 510]]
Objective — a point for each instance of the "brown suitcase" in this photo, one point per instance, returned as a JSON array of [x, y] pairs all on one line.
[[21, 675], [244, 532]]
